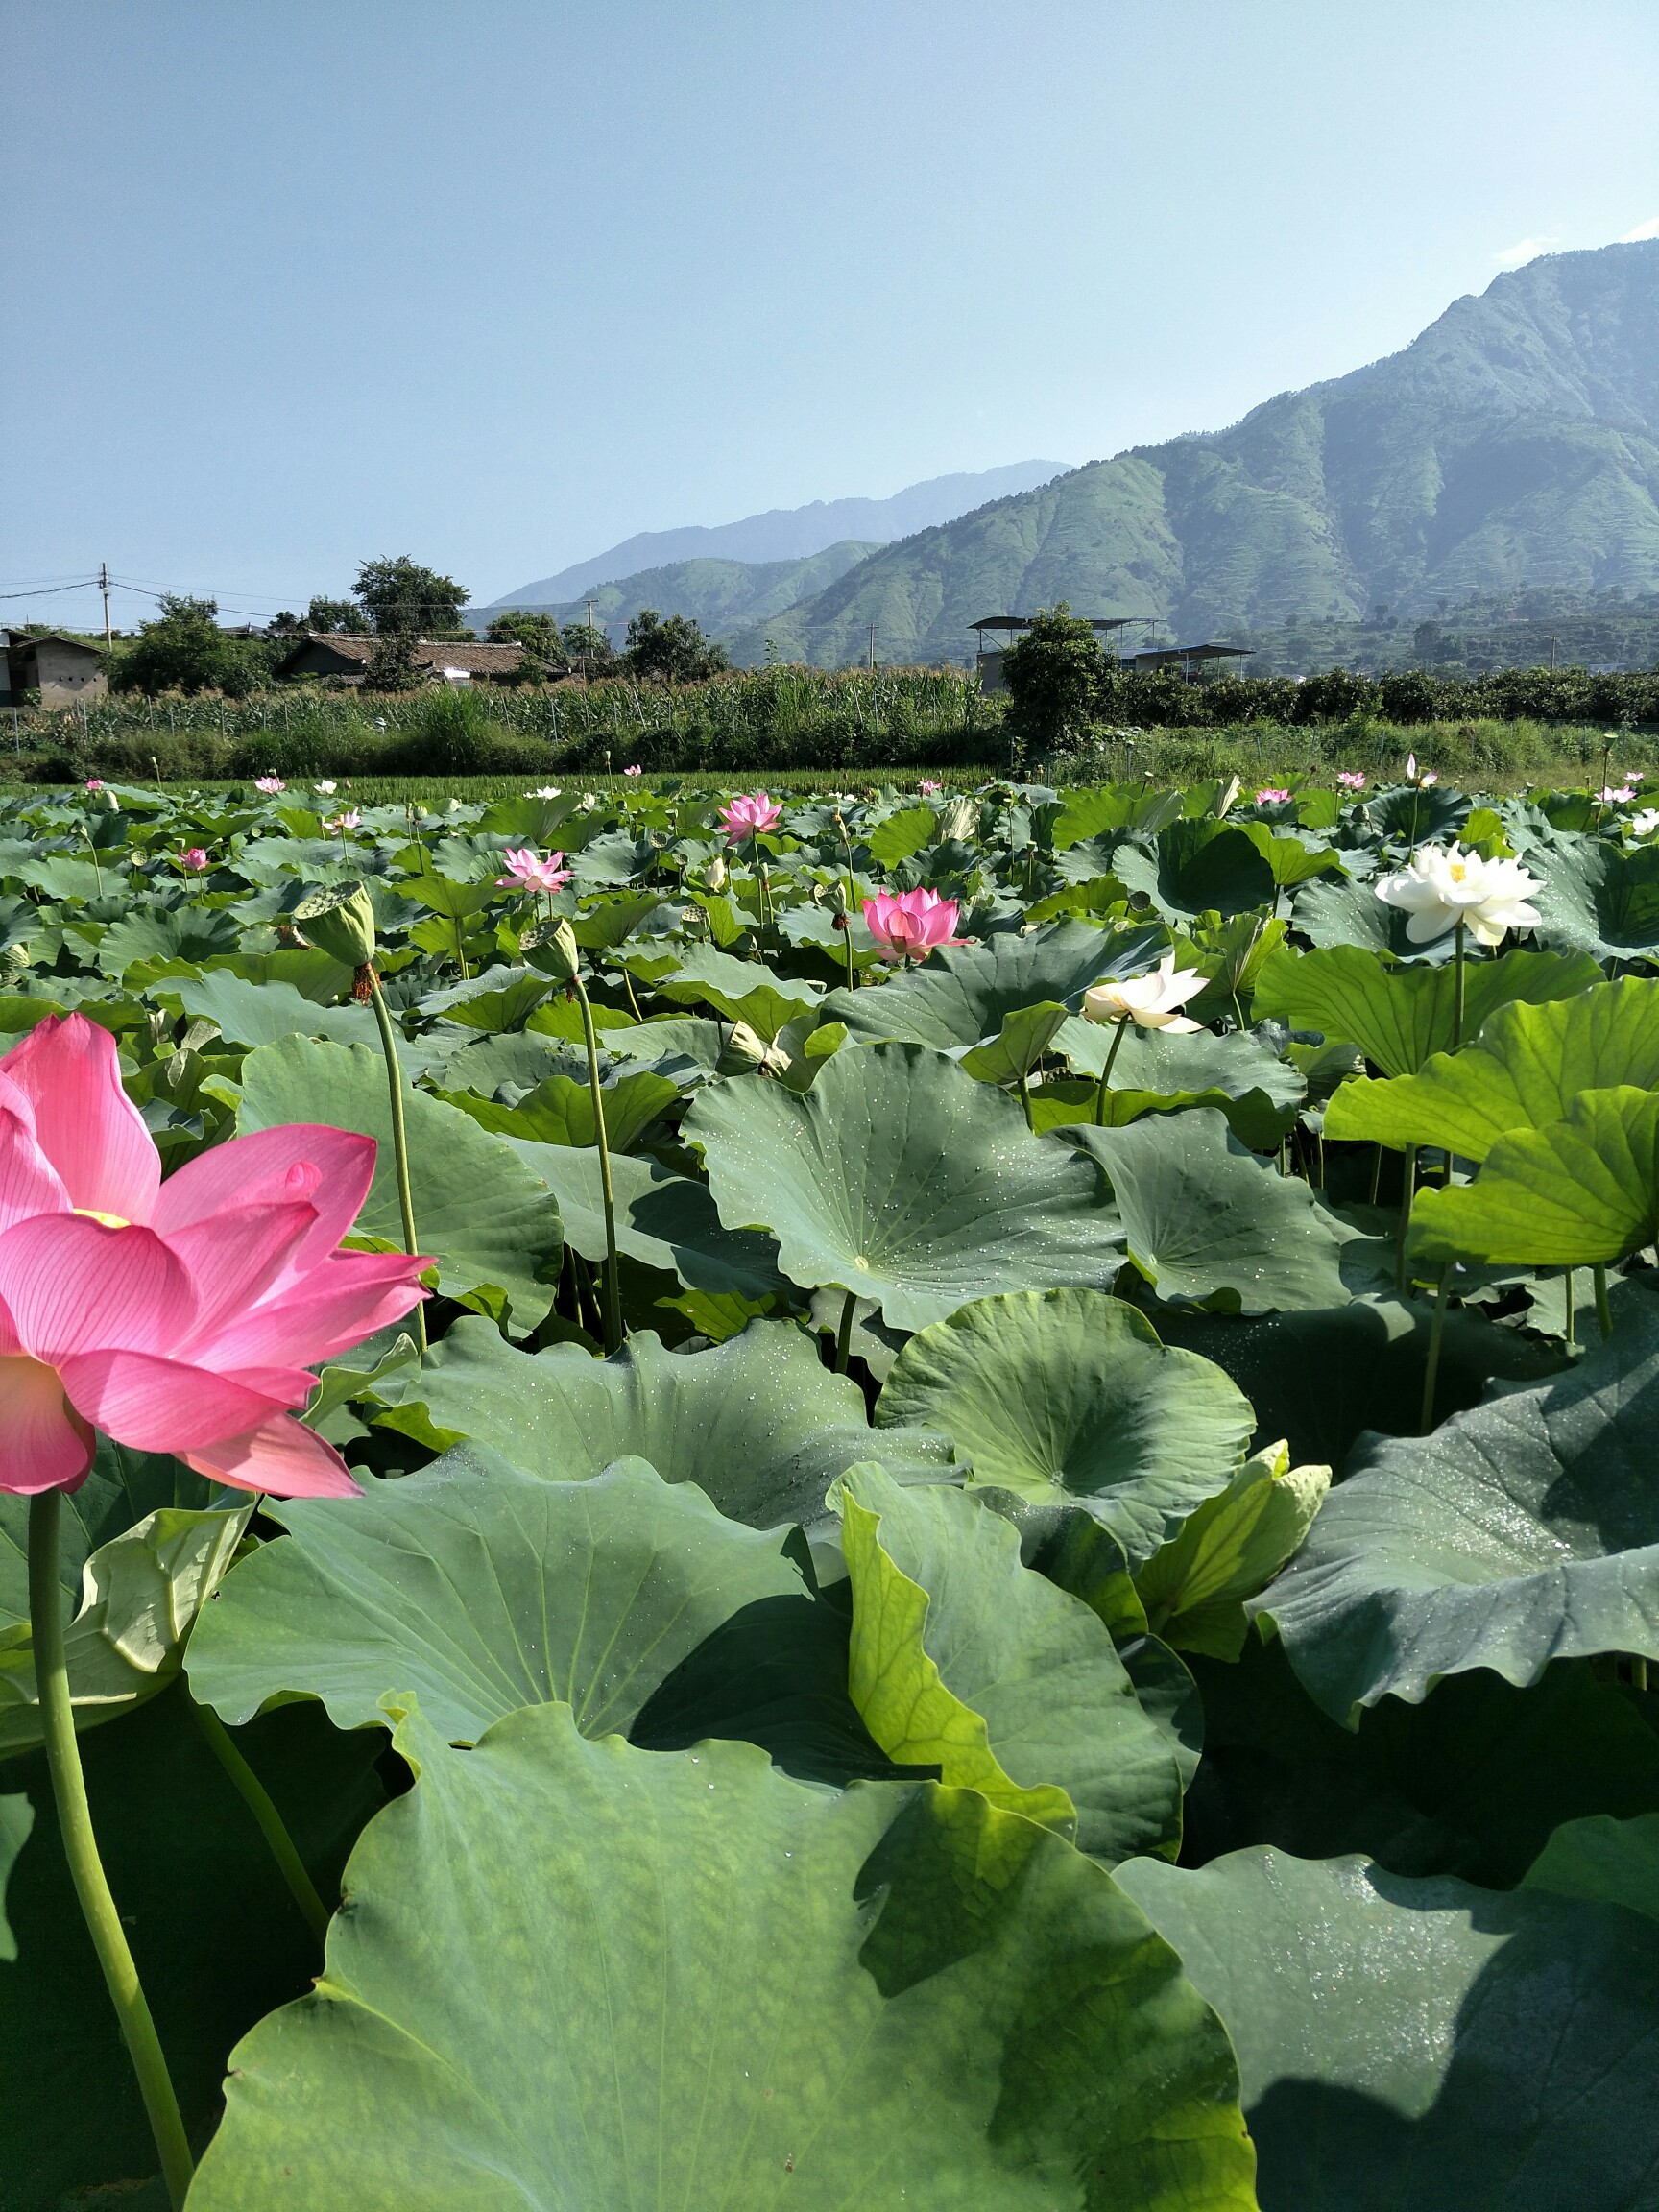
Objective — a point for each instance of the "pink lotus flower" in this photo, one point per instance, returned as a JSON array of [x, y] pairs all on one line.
[[193, 857], [749, 815], [1421, 782], [270, 786], [527, 871], [349, 820], [94, 783], [930, 790], [1351, 778], [1270, 796], [1625, 791], [176, 1317], [633, 771], [912, 922]]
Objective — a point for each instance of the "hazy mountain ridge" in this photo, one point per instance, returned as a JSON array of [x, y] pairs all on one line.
[[720, 594], [1515, 441], [783, 533]]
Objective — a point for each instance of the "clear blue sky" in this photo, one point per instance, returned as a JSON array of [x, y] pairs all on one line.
[[497, 283]]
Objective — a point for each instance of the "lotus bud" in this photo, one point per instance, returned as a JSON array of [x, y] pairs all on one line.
[[111, 804], [1226, 798], [960, 818], [339, 921], [552, 950], [717, 874]]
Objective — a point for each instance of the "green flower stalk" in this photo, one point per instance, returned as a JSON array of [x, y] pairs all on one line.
[[555, 952], [340, 921]]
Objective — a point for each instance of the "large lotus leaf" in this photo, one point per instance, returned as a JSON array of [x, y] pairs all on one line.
[[215, 1931], [1472, 1782], [1293, 858], [899, 1178], [664, 1220], [578, 1974], [482, 1588], [757, 1423], [1524, 1531], [1351, 913], [901, 836], [255, 1014], [140, 1594], [1320, 1379], [965, 992], [1227, 1549], [1202, 1214], [1398, 1016], [483, 1214], [1575, 1194], [1258, 1092], [1424, 2044], [1596, 899], [559, 1110], [166, 934], [1198, 867], [1067, 1395], [121, 1488], [742, 990], [1614, 1861], [1023, 1039], [964, 1660]]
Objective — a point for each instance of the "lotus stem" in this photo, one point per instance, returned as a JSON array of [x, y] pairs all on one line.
[[1432, 1369], [1106, 1075], [844, 1335], [1457, 1003], [1639, 1673], [1025, 1101], [271, 1822], [1571, 1331], [1603, 1311], [399, 1137], [612, 1289], [1408, 1185], [1376, 1171], [80, 1850]]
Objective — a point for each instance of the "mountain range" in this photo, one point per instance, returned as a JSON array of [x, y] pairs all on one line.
[[1515, 441], [782, 532]]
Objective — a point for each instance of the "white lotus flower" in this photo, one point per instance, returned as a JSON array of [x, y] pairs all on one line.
[[1152, 1001], [1443, 888], [1644, 822]]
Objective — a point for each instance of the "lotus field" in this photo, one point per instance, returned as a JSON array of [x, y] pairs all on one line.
[[868, 1501]]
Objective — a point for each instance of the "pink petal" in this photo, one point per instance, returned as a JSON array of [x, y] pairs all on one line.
[[71, 1284], [336, 1306], [281, 1456], [161, 1405], [44, 1444], [85, 1122], [29, 1182], [339, 1166], [233, 1257]]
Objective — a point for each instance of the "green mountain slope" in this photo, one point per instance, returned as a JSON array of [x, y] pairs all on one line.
[[1515, 441], [720, 594]]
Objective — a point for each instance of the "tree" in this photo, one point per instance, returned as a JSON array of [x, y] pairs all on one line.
[[537, 633], [401, 598], [588, 649], [391, 666], [185, 650], [340, 616], [1054, 675], [674, 651]]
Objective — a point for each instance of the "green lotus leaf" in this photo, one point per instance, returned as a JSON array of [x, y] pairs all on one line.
[[1258, 1092], [899, 1178], [187, 932], [1423, 2043], [742, 990], [1024, 1037], [1067, 1395], [1351, 914], [928, 1959], [901, 836], [1524, 1531], [1577, 1193], [964, 1660], [1597, 900], [757, 1423], [17, 1820], [255, 1014], [1227, 1549], [501, 999], [442, 895], [965, 993], [1527, 1067], [664, 1220], [1399, 1016], [1611, 1861], [1202, 1214], [484, 1216], [482, 1588], [1472, 1782], [1199, 867], [559, 1110]]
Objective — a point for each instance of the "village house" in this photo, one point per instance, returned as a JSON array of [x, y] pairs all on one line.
[[65, 671], [445, 660]]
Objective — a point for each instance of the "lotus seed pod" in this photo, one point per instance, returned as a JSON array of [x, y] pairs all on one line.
[[744, 1052], [339, 921], [552, 948]]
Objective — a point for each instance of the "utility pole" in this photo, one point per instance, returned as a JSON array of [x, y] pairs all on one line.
[[104, 587], [587, 641], [871, 648]]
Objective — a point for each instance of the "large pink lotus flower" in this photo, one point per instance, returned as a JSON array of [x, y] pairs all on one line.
[[194, 858], [176, 1317], [751, 814], [269, 784], [527, 871], [912, 922]]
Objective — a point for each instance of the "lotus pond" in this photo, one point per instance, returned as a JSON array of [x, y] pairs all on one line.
[[1011, 1561]]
